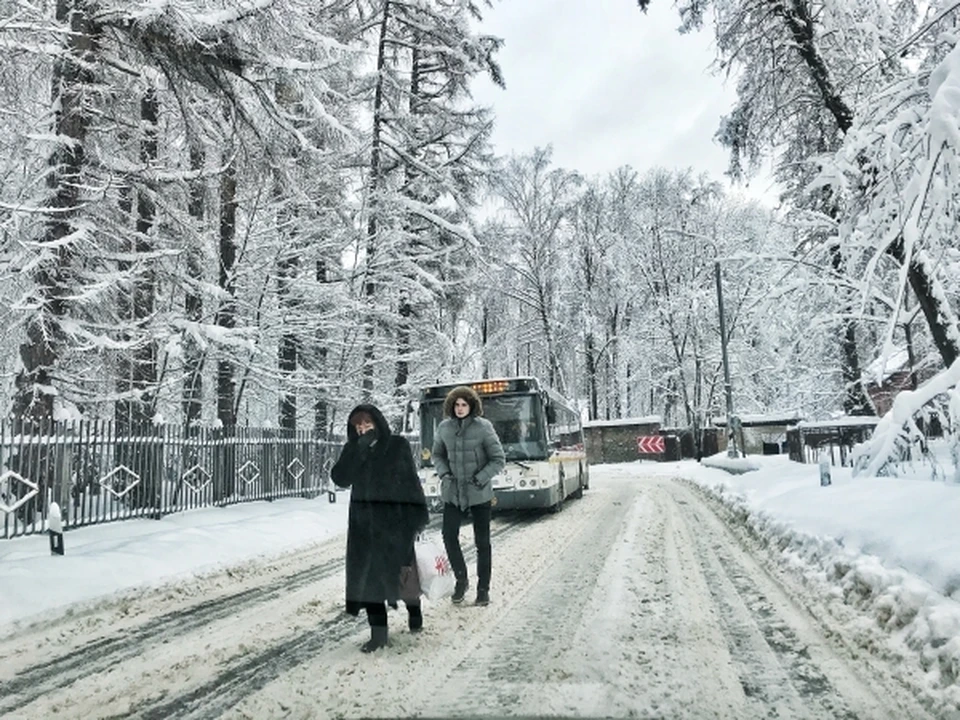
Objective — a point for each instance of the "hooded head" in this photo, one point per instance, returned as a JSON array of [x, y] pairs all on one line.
[[468, 394], [379, 421]]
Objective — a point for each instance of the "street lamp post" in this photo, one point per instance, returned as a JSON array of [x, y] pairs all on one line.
[[731, 434]]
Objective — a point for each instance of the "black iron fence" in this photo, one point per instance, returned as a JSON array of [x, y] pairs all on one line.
[[97, 473]]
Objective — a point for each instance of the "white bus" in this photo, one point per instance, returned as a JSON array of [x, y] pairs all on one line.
[[541, 435]]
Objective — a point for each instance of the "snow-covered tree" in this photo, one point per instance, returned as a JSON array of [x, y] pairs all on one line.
[[531, 242], [110, 200], [427, 155]]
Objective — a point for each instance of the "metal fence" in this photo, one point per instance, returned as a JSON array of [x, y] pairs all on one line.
[[98, 474]]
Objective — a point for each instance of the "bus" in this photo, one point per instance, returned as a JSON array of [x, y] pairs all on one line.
[[542, 439]]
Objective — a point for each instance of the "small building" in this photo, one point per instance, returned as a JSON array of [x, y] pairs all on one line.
[[762, 434], [835, 438], [616, 441], [888, 375]]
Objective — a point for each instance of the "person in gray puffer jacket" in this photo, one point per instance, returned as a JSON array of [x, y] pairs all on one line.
[[467, 455]]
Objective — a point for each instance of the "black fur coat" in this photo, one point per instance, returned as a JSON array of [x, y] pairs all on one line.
[[387, 510]]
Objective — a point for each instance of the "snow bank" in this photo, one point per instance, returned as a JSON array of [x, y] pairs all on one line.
[[731, 465], [886, 546]]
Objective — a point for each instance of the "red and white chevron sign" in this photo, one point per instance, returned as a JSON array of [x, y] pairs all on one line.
[[650, 444]]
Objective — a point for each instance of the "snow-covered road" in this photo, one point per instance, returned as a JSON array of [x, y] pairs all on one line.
[[637, 601]]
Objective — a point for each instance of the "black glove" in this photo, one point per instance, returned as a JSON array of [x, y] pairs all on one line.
[[366, 440]]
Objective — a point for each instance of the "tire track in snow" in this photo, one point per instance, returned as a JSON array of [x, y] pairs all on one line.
[[229, 687], [405, 678], [517, 668], [247, 672], [784, 660], [91, 658]]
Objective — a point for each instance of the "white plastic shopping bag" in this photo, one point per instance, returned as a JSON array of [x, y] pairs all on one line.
[[436, 575]]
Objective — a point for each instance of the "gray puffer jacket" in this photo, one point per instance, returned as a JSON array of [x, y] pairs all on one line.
[[467, 455]]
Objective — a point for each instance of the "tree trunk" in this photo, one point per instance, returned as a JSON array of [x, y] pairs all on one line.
[[287, 351], [553, 363], [287, 359], [855, 400], [192, 396], [227, 311], [123, 408], [403, 347], [376, 180], [613, 355], [933, 302], [321, 411], [797, 17], [593, 391], [227, 319], [485, 339], [936, 310], [405, 309], [43, 350], [145, 289]]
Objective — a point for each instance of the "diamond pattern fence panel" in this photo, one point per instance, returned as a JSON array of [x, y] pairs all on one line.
[[98, 472]]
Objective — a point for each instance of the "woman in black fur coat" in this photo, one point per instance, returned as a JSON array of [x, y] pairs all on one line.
[[387, 510]]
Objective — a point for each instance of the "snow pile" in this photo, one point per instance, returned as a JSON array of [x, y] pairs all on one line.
[[731, 465], [888, 547], [910, 609]]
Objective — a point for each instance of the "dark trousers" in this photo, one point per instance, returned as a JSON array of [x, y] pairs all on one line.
[[377, 612], [452, 517]]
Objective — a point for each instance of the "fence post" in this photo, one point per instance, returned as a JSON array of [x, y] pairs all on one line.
[[56, 530], [64, 467], [824, 469]]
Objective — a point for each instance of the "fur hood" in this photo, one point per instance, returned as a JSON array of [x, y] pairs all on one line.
[[383, 427], [468, 394]]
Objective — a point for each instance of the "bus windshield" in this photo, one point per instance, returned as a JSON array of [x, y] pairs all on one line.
[[516, 418]]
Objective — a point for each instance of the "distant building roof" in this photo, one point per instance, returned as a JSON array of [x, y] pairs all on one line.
[[784, 418], [886, 365], [845, 421], [648, 420]]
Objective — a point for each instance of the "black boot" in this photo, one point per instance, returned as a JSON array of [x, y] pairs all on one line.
[[460, 590], [378, 639], [483, 597], [416, 618]]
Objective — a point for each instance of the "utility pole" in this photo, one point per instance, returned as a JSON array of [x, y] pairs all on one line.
[[731, 434]]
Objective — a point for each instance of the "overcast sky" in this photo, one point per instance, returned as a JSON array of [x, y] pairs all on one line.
[[607, 85]]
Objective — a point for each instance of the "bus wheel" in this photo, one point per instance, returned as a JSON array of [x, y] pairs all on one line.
[[578, 493]]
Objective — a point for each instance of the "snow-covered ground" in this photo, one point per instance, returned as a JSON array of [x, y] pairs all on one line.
[[888, 547], [725, 594], [119, 557]]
